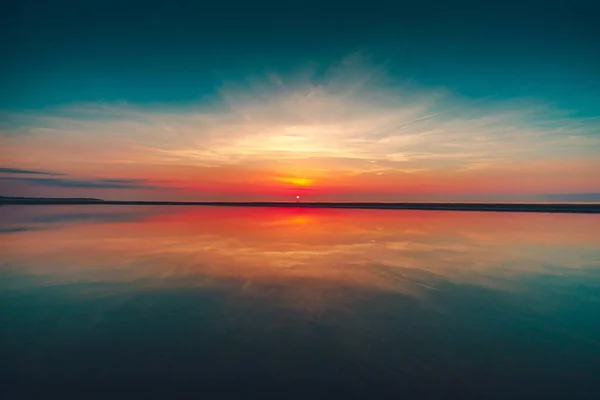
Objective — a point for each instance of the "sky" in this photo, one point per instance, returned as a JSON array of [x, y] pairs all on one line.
[[329, 101]]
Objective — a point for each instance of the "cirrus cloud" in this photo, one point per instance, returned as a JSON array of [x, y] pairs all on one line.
[[349, 120]]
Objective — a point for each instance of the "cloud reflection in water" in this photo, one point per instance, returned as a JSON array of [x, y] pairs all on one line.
[[299, 258]]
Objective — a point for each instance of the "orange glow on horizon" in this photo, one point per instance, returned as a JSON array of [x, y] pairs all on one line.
[[296, 181]]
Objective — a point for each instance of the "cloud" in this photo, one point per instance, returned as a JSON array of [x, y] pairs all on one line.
[[19, 171], [350, 120], [577, 197], [88, 183], [15, 229]]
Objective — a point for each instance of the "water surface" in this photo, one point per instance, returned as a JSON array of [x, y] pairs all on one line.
[[281, 303]]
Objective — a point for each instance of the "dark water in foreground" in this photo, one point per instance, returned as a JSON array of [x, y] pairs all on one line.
[[128, 301]]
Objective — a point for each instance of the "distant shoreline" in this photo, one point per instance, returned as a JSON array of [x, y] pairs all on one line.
[[497, 207]]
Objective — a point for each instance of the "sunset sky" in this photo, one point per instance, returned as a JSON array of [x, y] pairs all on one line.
[[369, 101]]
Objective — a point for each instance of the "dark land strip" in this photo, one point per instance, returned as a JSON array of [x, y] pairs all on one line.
[[506, 207]]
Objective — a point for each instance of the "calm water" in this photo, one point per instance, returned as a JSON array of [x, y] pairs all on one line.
[[307, 303]]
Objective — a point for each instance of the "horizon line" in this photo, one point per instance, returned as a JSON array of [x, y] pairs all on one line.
[[592, 208]]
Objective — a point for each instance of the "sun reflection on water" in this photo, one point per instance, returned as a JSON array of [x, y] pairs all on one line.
[[303, 257]]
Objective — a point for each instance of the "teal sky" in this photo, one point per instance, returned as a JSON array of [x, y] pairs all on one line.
[[144, 52]]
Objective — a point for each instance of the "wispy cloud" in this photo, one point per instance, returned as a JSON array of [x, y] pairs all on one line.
[[89, 183], [19, 171], [578, 197], [349, 120]]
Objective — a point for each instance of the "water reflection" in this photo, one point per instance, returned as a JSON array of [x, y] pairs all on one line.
[[306, 257], [299, 302]]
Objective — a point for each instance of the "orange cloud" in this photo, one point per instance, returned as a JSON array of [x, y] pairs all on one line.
[[348, 131]]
